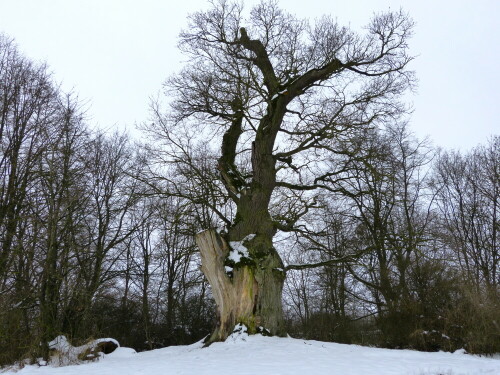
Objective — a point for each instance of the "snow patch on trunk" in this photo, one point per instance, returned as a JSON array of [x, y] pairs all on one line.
[[238, 250]]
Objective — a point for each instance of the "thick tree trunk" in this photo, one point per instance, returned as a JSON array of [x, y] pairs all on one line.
[[247, 291]]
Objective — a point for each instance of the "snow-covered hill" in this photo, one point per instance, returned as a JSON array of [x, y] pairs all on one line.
[[258, 355]]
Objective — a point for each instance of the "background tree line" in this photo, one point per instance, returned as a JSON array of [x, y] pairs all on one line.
[[86, 250], [416, 232], [97, 233]]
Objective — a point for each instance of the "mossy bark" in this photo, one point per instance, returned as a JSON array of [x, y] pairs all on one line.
[[251, 293]]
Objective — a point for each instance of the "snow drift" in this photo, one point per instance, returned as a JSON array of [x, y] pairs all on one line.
[[242, 354]]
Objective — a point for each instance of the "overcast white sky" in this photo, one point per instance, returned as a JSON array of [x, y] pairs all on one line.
[[116, 53]]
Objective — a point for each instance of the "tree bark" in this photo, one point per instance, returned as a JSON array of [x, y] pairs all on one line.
[[248, 292]]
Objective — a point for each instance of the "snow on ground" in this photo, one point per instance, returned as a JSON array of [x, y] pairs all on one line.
[[258, 355]]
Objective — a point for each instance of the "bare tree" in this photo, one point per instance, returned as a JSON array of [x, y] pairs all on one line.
[[468, 191], [109, 165], [30, 114], [279, 93], [62, 188], [27, 106]]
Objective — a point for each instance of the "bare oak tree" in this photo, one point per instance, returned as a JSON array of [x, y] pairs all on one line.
[[279, 93]]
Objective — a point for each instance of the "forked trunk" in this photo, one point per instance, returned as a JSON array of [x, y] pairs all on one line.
[[246, 283]]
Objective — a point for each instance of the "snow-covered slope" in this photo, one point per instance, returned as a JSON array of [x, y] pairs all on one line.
[[258, 355]]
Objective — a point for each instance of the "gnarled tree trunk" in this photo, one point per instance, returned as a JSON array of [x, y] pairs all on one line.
[[248, 291]]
